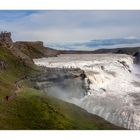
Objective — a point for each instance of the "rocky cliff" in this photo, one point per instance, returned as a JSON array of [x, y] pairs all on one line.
[[35, 49], [5, 39], [26, 50]]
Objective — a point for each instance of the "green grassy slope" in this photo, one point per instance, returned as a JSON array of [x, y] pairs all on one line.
[[32, 109]]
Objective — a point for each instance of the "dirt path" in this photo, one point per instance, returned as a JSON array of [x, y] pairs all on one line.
[[18, 85]]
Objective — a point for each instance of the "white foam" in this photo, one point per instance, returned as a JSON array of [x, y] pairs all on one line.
[[114, 90]]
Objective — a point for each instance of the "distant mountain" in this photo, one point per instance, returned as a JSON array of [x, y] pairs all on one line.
[[110, 42], [97, 44], [125, 50]]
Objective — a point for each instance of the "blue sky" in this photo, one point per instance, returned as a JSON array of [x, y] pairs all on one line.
[[70, 26]]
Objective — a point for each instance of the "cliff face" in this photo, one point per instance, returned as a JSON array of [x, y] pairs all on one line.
[[35, 49], [26, 50], [62, 83]]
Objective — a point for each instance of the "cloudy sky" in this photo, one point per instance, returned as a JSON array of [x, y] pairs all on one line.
[[70, 26]]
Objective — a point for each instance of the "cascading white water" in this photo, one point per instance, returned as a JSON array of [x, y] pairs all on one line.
[[114, 87]]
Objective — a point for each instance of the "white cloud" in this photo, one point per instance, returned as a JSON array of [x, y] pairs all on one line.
[[66, 26]]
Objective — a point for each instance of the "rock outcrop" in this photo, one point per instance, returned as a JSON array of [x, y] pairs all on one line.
[[32, 49], [35, 49], [26, 50], [65, 83], [5, 39]]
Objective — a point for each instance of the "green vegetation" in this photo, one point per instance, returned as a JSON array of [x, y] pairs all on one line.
[[32, 109]]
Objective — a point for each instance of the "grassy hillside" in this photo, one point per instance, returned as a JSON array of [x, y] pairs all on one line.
[[29, 108]]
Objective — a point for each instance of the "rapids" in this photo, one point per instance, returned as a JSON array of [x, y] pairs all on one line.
[[113, 82]]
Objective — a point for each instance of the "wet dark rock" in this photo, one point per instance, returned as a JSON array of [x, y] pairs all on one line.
[[87, 83], [129, 70], [83, 75], [103, 89], [125, 65], [102, 67], [137, 57]]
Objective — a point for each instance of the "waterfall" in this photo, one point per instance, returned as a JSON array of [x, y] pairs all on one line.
[[113, 86]]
